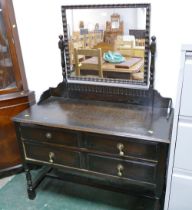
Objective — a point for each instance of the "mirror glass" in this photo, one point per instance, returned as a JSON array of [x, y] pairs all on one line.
[[107, 44], [7, 78]]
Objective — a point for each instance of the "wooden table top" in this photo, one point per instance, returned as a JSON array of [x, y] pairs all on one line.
[[133, 69], [101, 117], [110, 67]]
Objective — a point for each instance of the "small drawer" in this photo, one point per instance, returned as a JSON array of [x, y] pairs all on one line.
[[51, 135], [122, 147], [54, 155], [126, 169]]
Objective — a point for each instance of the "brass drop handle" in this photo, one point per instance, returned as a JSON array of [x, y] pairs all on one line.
[[120, 147], [48, 135], [51, 156], [120, 170]]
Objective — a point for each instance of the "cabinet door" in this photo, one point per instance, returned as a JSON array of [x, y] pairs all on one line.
[[186, 97], [181, 192], [12, 73], [183, 153], [7, 77]]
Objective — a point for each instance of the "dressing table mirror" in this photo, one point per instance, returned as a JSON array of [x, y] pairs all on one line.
[[107, 131], [109, 53]]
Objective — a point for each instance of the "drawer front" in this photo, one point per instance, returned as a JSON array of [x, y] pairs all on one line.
[[122, 147], [51, 135], [125, 169], [181, 191], [186, 99], [183, 154], [52, 155]]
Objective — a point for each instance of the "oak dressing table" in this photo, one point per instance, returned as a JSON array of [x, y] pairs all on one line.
[[110, 136]]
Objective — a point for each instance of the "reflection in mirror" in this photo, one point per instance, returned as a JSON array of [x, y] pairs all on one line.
[[107, 44]]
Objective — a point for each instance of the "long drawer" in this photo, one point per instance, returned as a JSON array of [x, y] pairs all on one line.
[[122, 146], [51, 135], [122, 168], [53, 155]]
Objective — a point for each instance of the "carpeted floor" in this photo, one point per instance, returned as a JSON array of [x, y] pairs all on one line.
[[59, 195]]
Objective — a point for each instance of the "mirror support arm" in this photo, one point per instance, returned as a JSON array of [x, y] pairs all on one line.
[[152, 66], [61, 46]]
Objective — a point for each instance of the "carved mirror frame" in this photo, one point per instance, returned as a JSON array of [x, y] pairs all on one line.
[[106, 81]]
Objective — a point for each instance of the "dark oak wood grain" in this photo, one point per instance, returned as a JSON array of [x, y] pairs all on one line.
[[143, 122], [132, 147], [51, 135], [92, 130], [9, 107], [59, 155], [130, 169]]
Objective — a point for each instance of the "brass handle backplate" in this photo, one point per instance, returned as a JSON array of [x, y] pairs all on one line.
[[48, 135], [120, 147], [120, 169], [51, 156]]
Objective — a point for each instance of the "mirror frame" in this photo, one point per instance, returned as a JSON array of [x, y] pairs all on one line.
[[144, 84]]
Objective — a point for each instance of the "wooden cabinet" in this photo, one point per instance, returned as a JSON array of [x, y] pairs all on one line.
[[97, 141], [98, 134], [14, 93]]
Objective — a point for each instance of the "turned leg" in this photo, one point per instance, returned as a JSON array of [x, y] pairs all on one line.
[[157, 204], [30, 189]]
